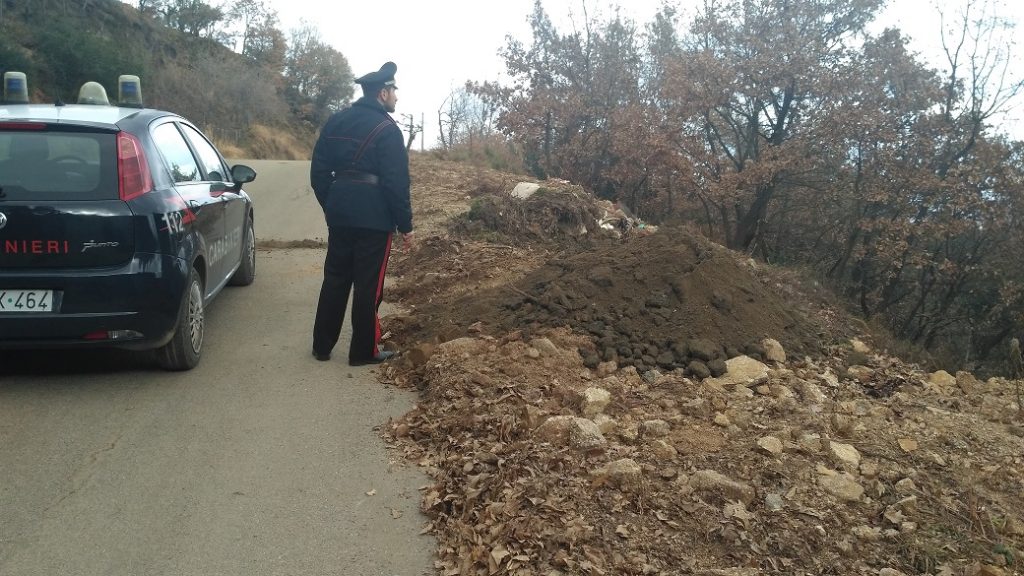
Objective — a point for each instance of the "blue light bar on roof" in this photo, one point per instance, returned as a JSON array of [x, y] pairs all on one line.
[[15, 88]]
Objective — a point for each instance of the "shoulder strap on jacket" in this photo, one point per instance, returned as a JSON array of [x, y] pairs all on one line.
[[371, 137]]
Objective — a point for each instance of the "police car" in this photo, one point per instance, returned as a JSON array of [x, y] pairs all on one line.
[[118, 224]]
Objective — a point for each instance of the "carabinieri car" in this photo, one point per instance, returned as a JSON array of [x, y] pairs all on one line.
[[118, 224]]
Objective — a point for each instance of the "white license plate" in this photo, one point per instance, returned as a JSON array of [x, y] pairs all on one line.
[[26, 300]]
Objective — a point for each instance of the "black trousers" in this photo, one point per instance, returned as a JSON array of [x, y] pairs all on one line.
[[357, 259]]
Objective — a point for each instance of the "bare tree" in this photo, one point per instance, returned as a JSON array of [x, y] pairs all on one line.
[[412, 129]]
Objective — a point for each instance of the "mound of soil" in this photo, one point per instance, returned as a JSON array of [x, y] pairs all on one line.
[[666, 301]]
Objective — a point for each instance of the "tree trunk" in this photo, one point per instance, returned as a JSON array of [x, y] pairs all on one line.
[[748, 227]]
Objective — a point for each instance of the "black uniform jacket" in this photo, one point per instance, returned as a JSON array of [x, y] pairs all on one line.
[[357, 146]]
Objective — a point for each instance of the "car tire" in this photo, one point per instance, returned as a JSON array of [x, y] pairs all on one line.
[[186, 346], [246, 272]]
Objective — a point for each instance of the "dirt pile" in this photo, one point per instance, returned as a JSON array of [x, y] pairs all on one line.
[[667, 300], [569, 426]]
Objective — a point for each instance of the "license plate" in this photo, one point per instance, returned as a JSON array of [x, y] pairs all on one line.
[[26, 300]]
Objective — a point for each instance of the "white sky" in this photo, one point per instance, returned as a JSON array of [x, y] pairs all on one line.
[[439, 44]]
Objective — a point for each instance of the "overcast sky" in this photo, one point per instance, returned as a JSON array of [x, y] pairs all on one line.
[[440, 44]]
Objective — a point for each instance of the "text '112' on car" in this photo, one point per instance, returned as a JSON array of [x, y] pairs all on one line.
[[118, 224]]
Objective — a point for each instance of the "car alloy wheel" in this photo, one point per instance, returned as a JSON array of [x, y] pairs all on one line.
[[195, 317]]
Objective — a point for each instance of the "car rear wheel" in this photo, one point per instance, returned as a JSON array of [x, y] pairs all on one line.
[[246, 272], [186, 346]]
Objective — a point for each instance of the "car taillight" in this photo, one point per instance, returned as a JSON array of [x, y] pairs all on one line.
[[132, 169]]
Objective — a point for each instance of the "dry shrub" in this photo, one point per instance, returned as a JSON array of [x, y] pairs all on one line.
[[491, 151], [266, 142]]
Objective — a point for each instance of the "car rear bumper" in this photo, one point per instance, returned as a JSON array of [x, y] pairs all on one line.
[[139, 301]]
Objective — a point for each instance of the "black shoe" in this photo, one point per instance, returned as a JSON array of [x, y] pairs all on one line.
[[321, 357], [380, 357]]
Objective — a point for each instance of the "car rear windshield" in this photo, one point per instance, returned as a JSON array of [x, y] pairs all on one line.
[[47, 165]]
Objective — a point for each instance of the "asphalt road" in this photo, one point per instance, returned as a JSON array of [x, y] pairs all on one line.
[[260, 461]]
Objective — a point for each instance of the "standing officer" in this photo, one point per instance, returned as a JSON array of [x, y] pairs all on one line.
[[360, 175]]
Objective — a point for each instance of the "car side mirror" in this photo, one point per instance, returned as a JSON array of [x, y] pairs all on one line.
[[241, 174]]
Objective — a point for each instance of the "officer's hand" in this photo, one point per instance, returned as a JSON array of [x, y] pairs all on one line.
[[408, 240]]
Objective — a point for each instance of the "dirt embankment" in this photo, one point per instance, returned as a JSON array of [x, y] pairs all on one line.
[[613, 399]]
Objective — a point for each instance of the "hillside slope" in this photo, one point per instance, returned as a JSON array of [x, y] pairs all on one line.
[[600, 397]]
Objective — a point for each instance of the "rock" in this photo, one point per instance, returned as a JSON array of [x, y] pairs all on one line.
[[967, 383], [715, 484], [867, 533], [585, 435], [810, 443], [868, 469], [862, 374], [845, 455], [663, 449], [655, 429], [773, 351], [942, 379], [771, 445], [811, 393], [524, 190], [717, 367], [555, 429], [890, 572], [544, 346], [840, 485], [581, 433], [829, 378], [906, 486], [593, 401], [607, 368], [698, 369], [605, 423], [722, 420], [859, 346], [624, 474], [459, 346], [742, 371], [774, 502]]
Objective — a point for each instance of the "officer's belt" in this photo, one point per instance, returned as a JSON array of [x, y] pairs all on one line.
[[358, 177]]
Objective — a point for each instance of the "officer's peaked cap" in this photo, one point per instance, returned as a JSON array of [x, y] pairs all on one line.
[[385, 77]]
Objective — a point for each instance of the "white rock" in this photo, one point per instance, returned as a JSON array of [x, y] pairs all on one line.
[[741, 371], [593, 401], [773, 351], [524, 190]]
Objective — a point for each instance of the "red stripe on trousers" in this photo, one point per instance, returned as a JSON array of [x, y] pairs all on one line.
[[380, 296]]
